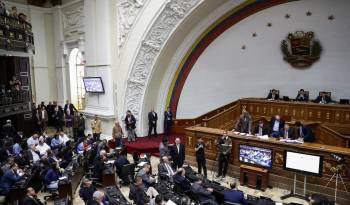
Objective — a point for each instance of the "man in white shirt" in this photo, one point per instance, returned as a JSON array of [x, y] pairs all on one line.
[[34, 155], [33, 140], [63, 138], [42, 147]]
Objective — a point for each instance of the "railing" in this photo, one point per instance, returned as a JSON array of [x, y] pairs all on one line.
[[14, 102], [16, 35]]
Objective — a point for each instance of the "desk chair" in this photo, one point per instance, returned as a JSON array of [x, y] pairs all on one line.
[[53, 193], [194, 198], [127, 173], [325, 92], [90, 175]]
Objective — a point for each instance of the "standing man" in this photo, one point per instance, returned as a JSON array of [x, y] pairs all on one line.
[[177, 154], [96, 128], [69, 106], [152, 122], [117, 134], [69, 123], [81, 126], [130, 124], [168, 120], [244, 122], [225, 147], [200, 156]]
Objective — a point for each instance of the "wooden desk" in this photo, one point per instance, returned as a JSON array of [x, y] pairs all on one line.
[[252, 174], [68, 188], [209, 135], [108, 177]]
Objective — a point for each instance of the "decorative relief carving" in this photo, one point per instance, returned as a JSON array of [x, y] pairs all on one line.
[[166, 22], [128, 11], [73, 21]]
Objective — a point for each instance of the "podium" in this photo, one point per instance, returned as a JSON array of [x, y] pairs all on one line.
[[254, 177]]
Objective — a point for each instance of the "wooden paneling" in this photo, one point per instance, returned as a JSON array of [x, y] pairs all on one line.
[[278, 148]]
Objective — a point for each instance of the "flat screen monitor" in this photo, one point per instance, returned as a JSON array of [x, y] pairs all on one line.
[[255, 155], [93, 85], [304, 163]]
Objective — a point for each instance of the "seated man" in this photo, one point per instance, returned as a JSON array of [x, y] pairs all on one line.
[[42, 147], [303, 132], [323, 98], [145, 174], [302, 96], [99, 165], [261, 129], [52, 176], [33, 140], [119, 162], [276, 124], [98, 198], [9, 178], [56, 142], [181, 181], [287, 133], [140, 194], [244, 123], [203, 194], [87, 190], [233, 195], [31, 198], [164, 168], [273, 95]]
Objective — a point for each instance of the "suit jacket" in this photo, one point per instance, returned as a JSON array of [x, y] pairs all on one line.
[[291, 133], [272, 122], [130, 124], [178, 156], [31, 201], [234, 196], [96, 126], [86, 193], [163, 171], [265, 130], [8, 179], [302, 98], [202, 193], [269, 96], [152, 118], [93, 202], [327, 99], [69, 107], [146, 179], [163, 149], [182, 182], [168, 116]]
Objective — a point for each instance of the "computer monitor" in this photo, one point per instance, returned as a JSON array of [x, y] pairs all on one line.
[[255, 155], [303, 163]]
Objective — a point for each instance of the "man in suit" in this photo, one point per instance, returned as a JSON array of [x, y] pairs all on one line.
[[181, 181], [261, 129], [303, 132], [165, 170], [145, 174], [177, 154], [200, 156], [233, 195], [302, 96], [69, 106], [119, 162], [287, 133], [9, 178], [152, 122], [98, 197], [87, 190], [244, 122], [225, 148], [31, 198], [163, 147], [323, 98], [168, 120], [130, 125], [204, 195], [273, 95], [276, 124], [141, 195], [96, 128]]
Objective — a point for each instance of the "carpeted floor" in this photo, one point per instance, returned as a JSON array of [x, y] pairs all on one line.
[[149, 145]]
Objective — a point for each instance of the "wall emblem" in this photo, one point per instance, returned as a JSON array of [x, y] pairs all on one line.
[[300, 49]]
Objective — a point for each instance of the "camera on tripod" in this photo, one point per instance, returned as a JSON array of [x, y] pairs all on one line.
[[340, 159]]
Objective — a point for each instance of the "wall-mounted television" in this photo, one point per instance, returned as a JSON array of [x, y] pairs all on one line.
[[304, 163], [93, 85], [255, 155]]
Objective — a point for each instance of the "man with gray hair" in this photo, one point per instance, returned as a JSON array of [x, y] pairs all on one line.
[[177, 154], [97, 198], [233, 195]]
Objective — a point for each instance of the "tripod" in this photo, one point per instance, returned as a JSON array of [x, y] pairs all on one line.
[[337, 175]]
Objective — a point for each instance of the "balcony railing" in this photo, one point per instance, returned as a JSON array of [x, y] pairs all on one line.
[[14, 102], [16, 35]]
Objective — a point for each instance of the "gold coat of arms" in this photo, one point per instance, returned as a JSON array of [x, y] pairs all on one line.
[[300, 49]]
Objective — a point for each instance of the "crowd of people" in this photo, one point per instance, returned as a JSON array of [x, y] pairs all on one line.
[[12, 13], [302, 96]]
